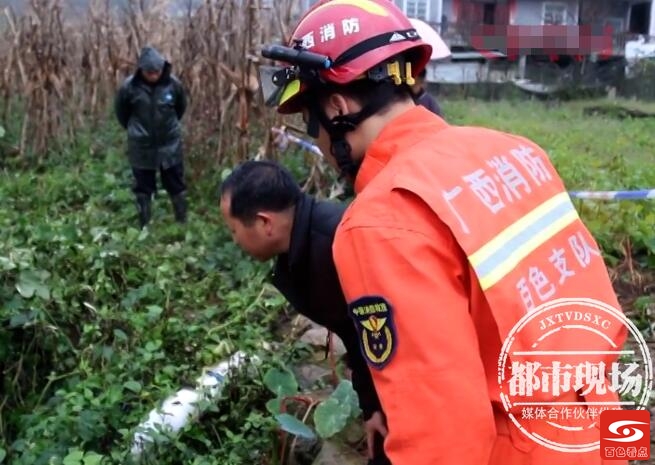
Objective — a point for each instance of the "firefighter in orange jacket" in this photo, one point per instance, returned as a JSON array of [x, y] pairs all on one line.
[[460, 254]]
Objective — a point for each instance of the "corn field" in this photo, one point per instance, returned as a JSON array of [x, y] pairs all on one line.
[[60, 72]]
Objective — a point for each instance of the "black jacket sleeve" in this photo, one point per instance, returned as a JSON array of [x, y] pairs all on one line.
[[326, 218], [180, 99], [361, 376], [122, 106], [368, 397]]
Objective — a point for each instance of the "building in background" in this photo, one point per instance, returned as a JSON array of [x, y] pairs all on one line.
[[483, 36]]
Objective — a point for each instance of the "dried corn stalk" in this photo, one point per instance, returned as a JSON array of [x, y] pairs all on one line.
[[60, 71]]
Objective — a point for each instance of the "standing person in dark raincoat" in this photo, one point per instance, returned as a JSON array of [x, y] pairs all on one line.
[[149, 105]]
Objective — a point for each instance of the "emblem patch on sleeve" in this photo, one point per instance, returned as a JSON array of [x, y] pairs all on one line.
[[377, 334]]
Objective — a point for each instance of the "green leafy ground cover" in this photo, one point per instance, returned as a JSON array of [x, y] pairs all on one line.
[[100, 321]]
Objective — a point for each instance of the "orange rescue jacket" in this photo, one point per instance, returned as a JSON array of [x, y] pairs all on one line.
[[455, 235]]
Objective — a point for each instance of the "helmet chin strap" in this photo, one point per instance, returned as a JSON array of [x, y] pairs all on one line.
[[340, 148], [339, 126]]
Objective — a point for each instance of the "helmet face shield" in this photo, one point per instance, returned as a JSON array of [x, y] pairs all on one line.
[[270, 91], [278, 84]]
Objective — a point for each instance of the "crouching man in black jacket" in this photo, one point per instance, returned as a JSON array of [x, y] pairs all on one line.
[[269, 216]]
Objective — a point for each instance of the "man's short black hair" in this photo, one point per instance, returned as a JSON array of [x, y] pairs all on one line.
[[255, 186]]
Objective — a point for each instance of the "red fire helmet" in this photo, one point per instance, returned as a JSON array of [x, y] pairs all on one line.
[[354, 37]]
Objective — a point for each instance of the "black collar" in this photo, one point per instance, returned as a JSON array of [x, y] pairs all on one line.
[[300, 230]]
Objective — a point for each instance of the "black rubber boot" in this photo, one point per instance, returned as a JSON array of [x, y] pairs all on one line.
[[180, 207], [143, 207]]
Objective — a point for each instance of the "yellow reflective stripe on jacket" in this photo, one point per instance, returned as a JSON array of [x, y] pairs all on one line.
[[503, 253]]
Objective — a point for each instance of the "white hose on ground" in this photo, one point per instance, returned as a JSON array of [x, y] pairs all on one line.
[[182, 407]]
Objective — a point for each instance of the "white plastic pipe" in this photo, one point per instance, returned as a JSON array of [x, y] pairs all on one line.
[[182, 407]]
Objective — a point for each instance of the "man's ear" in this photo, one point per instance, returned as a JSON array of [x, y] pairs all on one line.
[[266, 220]]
